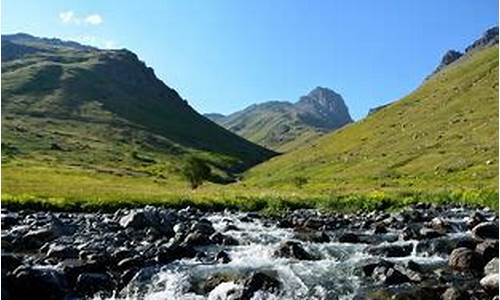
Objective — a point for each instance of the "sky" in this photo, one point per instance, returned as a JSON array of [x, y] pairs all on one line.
[[223, 55]]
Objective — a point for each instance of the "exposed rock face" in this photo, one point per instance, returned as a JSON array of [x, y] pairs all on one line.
[[489, 38], [276, 123], [448, 58]]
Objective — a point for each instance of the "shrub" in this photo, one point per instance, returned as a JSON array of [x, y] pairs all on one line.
[[196, 171]]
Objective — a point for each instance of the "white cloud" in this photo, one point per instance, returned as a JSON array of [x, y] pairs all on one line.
[[96, 41], [94, 19], [69, 17]]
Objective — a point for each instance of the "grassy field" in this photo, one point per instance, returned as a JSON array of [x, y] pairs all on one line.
[[443, 136]]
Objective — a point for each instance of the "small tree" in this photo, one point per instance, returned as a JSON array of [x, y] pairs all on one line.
[[196, 171]]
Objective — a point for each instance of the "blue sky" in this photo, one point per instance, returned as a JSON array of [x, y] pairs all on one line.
[[224, 55]]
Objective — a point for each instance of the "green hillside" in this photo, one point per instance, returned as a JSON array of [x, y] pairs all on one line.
[[284, 126], [71, 112], [443, 136]]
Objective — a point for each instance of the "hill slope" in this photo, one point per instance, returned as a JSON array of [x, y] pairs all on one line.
[[66, 105], [444, 135], [283, 126]]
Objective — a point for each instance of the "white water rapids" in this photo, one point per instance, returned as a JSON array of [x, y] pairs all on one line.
[[336, 275]]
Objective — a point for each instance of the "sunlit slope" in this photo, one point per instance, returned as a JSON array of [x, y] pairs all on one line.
[[443, 136]]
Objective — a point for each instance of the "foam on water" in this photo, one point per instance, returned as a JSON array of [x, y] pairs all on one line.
[[334, 276]]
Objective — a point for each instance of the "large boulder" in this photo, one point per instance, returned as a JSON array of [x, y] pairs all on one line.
[[488, 249], [453, 293], [485, 231], [90, 283], [149, 217], [38, 283], [464, 259]]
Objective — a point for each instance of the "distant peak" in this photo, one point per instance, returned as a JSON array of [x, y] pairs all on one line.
[[489, 38]]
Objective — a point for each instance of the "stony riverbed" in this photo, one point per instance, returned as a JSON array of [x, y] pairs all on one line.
[[423, 252]]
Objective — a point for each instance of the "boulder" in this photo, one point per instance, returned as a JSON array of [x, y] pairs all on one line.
[[390, 250], [453, 293], [488, 249], [389, 276], [485, 231], [290, 249], [464, 259], [38, 283], [490, 283], [491, 267], [149, 217], [90, 283], [349, 237], [62, 252], [259, 281]]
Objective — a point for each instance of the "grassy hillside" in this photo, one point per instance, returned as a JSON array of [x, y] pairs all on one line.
[[284, 126], [443, 136], [80, 112]]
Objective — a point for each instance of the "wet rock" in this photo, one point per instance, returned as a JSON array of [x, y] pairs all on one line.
[[390, 250], [173, 252], [259, 281], [490, 283], [475, 219], [442, 245], [196, 239], [491, 267], [290, 249], [149, 217], [389, 276], [72, 268], [488, 249], [312, 236], [130, 263], [203, 226], [453, 293], [36, 238], [349, 237], [38, 283], [9, 220], [204, 287], [221, 239], [380, 228], [370, 267], [10, 262], [62, 252], [91, 283], [427, 233], [463, 259], [485, 231], [222, 257]]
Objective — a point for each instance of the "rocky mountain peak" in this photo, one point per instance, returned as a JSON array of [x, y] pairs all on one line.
[[489, 38]]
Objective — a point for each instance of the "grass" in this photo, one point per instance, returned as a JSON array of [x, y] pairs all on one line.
[[443, 136], [437, 145]]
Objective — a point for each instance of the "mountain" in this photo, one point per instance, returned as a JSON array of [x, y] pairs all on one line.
[[442, 136], [283, 126], [66, 105]]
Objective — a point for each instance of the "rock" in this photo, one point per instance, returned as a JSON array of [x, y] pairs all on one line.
[[62, 252], [196, 239], [149, 217], [475, 219], [390, 250], [130, 263], [203, 226], [490, 283], [10, 262], [370, 267], [443, 245], [427, 233], [464, 259], [485, 231], [389, 276], [36, 238], [312, 236], [490, 268], [222, 257], [173, 252], [290, 249], [348, 238], [90, 283], [259, 281], [38, 283], [72, 268], [221, 239], [488, 249], [206, 286], [9, 220], [453, 293], [380, 228]]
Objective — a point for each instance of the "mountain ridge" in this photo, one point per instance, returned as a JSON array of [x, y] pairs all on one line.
[[283, 125]]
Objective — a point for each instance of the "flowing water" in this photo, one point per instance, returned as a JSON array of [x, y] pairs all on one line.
[[336, 275]]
